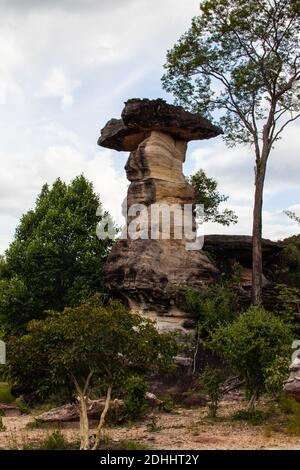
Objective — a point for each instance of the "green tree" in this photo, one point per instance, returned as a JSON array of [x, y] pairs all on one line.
[[206, 193], [212, 380], [251, 345], [97, 345], [240, 60], [56, 258]]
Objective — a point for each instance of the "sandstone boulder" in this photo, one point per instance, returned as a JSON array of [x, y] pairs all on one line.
[[292, 385]]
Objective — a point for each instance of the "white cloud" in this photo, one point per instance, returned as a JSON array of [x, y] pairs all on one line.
[[57, 84]]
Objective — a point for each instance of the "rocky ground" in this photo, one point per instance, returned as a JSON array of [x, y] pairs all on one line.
[[181, 429]]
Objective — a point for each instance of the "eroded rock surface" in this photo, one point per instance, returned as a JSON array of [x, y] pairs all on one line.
[[141, 116], [292, 385], [150, 270]]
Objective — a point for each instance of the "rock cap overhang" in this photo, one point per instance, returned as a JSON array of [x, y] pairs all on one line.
[[141, 116]]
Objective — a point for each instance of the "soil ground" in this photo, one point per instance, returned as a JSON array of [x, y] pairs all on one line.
[[182, 429]]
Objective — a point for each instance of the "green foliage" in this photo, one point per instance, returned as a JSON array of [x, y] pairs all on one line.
[[56, 258], [251, 344], [240, 59], [276, 374], [291, 408], [152, 425], [100, 338], [212, 380], [289, 268], [256, 418], [54, 441], [288, 303], [5, 393], [22, 405], [135, 403], [206, 193], [214, 306], [168, 404]]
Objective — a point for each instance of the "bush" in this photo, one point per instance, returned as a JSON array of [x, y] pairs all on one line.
[[168, 403], [135, 403], [291, 408], [55, 441], [212, 380], [276, 374], [256, 418], [152, 425], [251, 344], [5, 393], [216, 305]]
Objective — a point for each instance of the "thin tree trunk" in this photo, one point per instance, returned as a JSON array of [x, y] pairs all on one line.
[[257, 271], [83, 416], [84, 423], [102, 418], [251, 404], [196, 348]]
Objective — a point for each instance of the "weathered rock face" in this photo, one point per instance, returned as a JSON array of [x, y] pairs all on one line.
[[229, 249], [140, 117], [239, 247], [292, 385], [149, 270]]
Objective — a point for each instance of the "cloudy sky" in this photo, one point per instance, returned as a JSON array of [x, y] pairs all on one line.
[[67, 66]]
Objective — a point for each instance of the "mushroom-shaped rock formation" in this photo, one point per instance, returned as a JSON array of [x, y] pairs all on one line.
[[149, 271]]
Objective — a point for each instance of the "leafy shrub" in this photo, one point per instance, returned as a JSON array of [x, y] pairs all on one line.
[[152, 425], [54, 441], [276, 374], [256, 418], [5, 393], [212, 380], [22, 405], [135, 403], [168, 403], [291, 408], [251, 344], [289, 263], [216, 305]]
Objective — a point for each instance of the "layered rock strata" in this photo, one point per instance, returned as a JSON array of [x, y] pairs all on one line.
[[149, 270]]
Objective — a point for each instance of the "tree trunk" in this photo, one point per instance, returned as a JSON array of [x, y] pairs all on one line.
[[257, 271], [102, 418], [84, 423], [251, 404], [83, 417]]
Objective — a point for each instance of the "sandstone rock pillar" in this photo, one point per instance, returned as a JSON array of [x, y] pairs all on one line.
[[150, 271]]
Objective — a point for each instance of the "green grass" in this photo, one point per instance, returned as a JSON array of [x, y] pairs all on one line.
[[54, 441], [5, 393], [124, 445], [291, 410], [256, 418]]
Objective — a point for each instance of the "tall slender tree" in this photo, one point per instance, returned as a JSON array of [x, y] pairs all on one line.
[[240, 61]]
